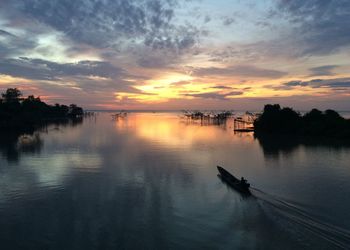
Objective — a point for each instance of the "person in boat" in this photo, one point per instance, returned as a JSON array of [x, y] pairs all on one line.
[[243, 181]]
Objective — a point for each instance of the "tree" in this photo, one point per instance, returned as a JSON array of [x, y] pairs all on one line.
[[333, 115], [12, 95], [314, 115], [75, 111]]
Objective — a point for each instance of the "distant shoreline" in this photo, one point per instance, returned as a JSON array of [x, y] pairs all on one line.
[[344, 113]]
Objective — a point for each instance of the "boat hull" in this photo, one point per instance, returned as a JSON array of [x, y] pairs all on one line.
[[233, 181]]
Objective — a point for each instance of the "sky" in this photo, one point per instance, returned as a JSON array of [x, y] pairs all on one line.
[[178, 54]]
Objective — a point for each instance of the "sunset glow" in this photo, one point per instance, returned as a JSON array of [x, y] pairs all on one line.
[[178, 54]]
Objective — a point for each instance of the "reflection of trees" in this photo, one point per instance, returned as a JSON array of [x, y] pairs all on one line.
[[273, 145], [15, 142], [71, 122], [30, 143]]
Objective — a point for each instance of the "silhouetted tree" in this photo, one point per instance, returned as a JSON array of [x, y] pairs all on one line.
[[332, 115], [315, 123], [314, 115], [75, 111], [275, 119], [11, 95], [17, 111]]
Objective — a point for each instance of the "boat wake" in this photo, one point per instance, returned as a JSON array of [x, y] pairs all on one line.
[[295, 213]]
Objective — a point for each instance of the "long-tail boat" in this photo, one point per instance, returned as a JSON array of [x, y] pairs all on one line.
[[241, 185]]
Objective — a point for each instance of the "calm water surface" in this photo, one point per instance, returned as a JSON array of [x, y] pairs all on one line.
[[149, 181]]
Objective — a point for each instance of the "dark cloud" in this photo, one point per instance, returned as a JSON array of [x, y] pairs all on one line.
[[215, 95], [111, 23], [221, 87], [316, 27], [161, 52], [142, 32], [11, 44], [233, 93], [241, 52], [227, 20], [103, 92], [322, 26], [336, 84], [326, 70], [39, 69], [104, 86], [280, 48], [317, 83], [151, 61], [240, 70], [207, 19], [295, 83], [176, 40], [6, 34]]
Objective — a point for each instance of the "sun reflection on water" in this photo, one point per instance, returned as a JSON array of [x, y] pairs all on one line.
[[174, 131]]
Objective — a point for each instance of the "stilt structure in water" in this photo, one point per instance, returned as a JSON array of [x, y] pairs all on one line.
[[244, 123], [207, 118]]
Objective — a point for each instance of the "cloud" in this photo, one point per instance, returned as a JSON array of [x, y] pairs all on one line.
[[227, 21], [321, 26], [181, 38], [239, 70], [6, 34], [38, 69], [325, 70], [111, 46], [207, 19], [240, 52], [180, 83], [318, 83], [334, 84], [148, 33], [111, 23], [300, 29], [215, 95], [89, 85], [221, 87], [234, 93], [153, 60], [12, 44], [295, 83]]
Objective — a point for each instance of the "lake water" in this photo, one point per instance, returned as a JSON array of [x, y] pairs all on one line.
[[149, 181]]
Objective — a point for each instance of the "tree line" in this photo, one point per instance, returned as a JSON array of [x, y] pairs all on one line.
[[15, 110], [277, 120]]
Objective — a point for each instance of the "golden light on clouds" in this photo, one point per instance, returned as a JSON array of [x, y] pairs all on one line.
[[180, 60]]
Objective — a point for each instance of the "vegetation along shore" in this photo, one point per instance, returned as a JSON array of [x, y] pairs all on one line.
[[18, 112], [277, 120]]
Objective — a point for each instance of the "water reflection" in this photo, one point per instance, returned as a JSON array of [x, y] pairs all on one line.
[[171, 130], [275, 145], [150, 181], [14, 143]]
